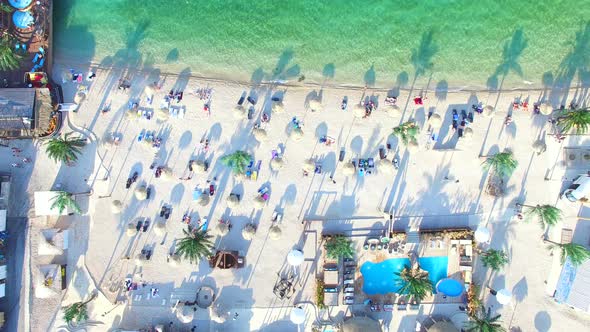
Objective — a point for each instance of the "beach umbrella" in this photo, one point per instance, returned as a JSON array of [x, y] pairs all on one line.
[[199, 167], [275, 232], [22, 20], [309, 165], [239, 176], [468, 133], [278, 107], [233, 201], [222, 228], [149, 90], [385, 166], [162, 114], [141, 193], [277, 163], [20, 4], [184, 313], [239, 112], [348, 169], [545, 109], [296, 134], [449, 287], [315, 105], [488, 111], [392, 110], [358, 111], [79, 97], [160, 228], [504, 296], [166, 174], [116, 206], [174, 259], [139, 259], [260, 134], [539, 146], [131, 230], [412, 146], [482, 234], [259, 202], [248, 232], [295, 257], [435, 121], [203, 199], [297, 316]]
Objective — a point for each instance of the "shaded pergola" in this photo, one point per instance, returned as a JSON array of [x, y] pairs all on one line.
[[226, 260]]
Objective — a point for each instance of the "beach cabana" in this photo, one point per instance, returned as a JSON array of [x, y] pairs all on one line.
[[361, 324], [226, 260], [22, 20], [43, 202], [248, 232]]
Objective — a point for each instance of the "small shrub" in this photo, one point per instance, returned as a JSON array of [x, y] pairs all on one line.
[[319, 294]]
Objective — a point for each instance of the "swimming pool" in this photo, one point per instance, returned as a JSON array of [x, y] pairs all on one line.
[[380, 278]]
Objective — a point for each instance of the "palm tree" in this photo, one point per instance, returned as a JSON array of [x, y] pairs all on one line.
[[78, 311], [339, 246], [574, 120], [407, 132], [494, 259], [577, 253], [9, 59], [546, 214], [483, 321], [415, 283], [6, 8], [65, 149], [64, 200], [195, 245], [238, 161], [502, 164]]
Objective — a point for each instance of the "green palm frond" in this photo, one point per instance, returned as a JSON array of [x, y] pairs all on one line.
[[64, 200], [547, 215], [502, 164], [415, 283], [483, 321], [574, 120], [9, 59], [76, 312], [195, 245], [577, 253], [237, 161], [407, 132], [494, 259], [339, 246], [64, 149]]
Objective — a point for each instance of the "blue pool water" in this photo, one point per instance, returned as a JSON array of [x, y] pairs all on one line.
[[380, 278]]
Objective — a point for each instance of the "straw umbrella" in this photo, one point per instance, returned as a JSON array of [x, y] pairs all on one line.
[[309, 165], [393, 110], [79, 97], [222, 228], [162, 114], [545, 109], [488, 111], [233, 201], [260, 134], [131, 230], [412, 146], [539, 146], [278, 107], [277, 163], [358, 111], [239, 112], [166, 174], [203, 200], [385, 166], [141, 193], [468, 133], [248, 232], [275, 232], [296, 134], [315, 105], [149, 90], [348, 169], [116, 206], [160, 228], [200, 167], [139, 259], [174, 259], [259, 202], [435, 121]]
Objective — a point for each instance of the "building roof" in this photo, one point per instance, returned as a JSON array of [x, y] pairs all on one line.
[[579, 295], [16, 111]]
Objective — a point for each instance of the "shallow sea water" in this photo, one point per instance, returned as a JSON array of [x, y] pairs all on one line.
[[366, 42]]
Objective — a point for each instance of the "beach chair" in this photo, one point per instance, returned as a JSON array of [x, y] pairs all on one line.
[[349, 301]]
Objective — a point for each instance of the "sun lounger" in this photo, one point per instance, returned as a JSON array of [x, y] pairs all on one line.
[[402, 306], [330, 267], [331, 289], [349, 301], [468, 250], [388, 307], [467, 276], [349, 289], [349, 282]]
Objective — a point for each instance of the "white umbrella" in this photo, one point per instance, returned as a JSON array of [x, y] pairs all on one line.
[[278, 107], [504, 296], [160, 228], [393, 110], [482, 234], [385, 166], [296, 134], [358, 111], [295, 257], [545, 109], [277, 163], [412, 146], [141, 193], [297, 316], [488, 111], [309, 165], [348, 169], [233, 201], [435, 121], [222, 228], [248, 232], [275, 232], [259, 202], [131, 230], [260, 134], [239, 112], [315, 105], [116, 206]]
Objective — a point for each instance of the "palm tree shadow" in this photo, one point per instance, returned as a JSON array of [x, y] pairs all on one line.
[[284, 69], [511, 54]]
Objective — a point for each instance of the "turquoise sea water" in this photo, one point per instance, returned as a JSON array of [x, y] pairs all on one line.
[[345, 41]]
